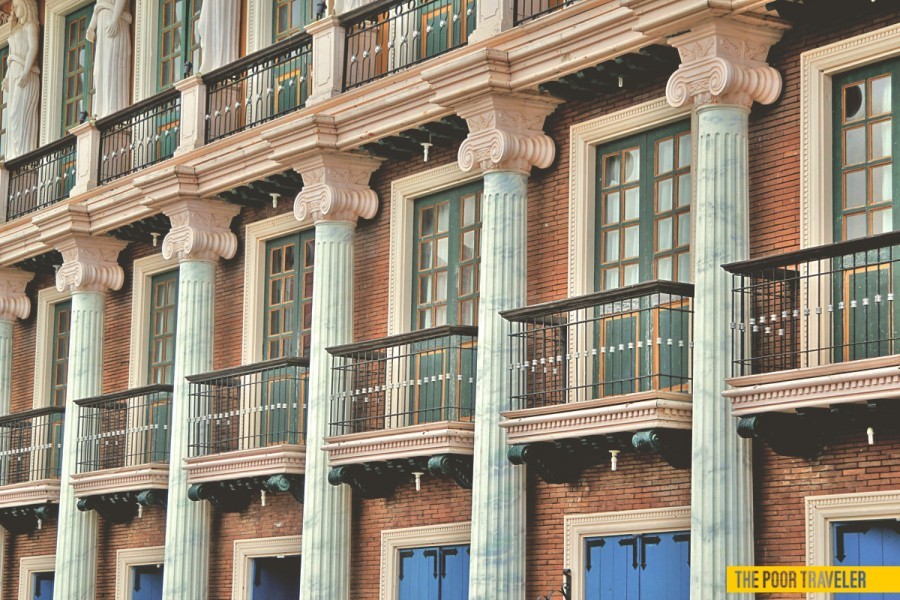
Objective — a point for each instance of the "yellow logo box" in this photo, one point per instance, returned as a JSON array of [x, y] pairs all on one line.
[[814, 579]]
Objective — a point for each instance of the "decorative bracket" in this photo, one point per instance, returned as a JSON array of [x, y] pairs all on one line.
[[371, 480], [786, 434], [674, 445], [564, 461], [25, 519], [234, 495], [456, 466], [122, 507]]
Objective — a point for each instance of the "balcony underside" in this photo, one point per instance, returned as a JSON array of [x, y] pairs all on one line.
[[855, 382], [283, 459], [29, 493], [137, 478], [444, 437]]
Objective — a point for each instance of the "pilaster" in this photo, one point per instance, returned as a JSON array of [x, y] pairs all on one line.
[[723, 72], [193, 114], [328, 43], [87, 157]]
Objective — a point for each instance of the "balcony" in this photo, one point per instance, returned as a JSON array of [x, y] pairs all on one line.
[[403, 405], [247, 428], [41, 178], [600, 374], [258, 88], [816, 343], [30, 460], [526, 10], [123, 451], [386, 37]]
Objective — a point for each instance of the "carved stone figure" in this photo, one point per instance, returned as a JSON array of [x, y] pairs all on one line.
[[219, 31], [22, 84], [109, 31]]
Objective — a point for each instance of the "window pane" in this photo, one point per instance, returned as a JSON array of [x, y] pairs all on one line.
[[427, 225], [855, 146], [612, 208], [440, 279], [882, 188], [664, 234], [632, 242], [881, 139], [854, 189], [632, 203], [856, 226], [684, 150], [632, 275], [684, 266], [468, 210], [881, 95], [443, 252], [664, 268], [610, 279], [684, 229], [443, 217], [664, 195], [632, 165], [684, 189], [612, 167], [854, 102], [882, 221], [425, 255], [611, 246], [468, 245], [665, 155]]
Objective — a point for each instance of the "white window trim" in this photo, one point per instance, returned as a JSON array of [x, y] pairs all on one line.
[[258, 233], [817, 67], [626, 522], [30, 565], [141, 291], [52, 69], [404, 192], [43, 355], [584, 139], [134, 557], [259, 24], [246, 550], [394, 540], [821, 511]]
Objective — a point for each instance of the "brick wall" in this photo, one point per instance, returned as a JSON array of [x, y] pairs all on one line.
[[146, 531], [37, 543]]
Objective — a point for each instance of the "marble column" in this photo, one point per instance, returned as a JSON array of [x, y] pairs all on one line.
[[335, 194], [89, 271], [723, 72], [505, 140], [199, 237]]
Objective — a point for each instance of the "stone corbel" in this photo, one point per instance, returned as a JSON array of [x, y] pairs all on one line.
[[14, 303], [724, 62], [336, 187], [201, 230]]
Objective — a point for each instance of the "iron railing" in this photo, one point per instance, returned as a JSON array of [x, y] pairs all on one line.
[[403, 380], [605, 344], [385, 37], [41, 178], [142, 135], [525, 10], [124, 429], [248, 407], [817, 306], [31, 445], [259, 87]]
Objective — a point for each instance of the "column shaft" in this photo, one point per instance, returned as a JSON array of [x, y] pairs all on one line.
[[721, 485], [497, 570], [186, 570], [6, 340], [76, 539], [326, 508]]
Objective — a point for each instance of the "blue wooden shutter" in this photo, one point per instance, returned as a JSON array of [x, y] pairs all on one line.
[[664, 565], [454, 572], [275, 577], [611, 568], [146, 583], [869, 544], [419, 574], [43, 585]]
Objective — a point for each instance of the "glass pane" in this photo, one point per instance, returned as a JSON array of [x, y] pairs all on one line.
[[275, 322], [289, 258], [425, 255], [664, 195], [684, 189], [612, 208], [684, 229], [467, 312], [440, 279], [276, 261], [684, 150], [443, 252], [665, 155], [882, 221], [684, 266], [443, 217], [854, 189], [611, 246], [632, 276], [664, 268], [881, 95], [854, 102], [612, 167], [275, 294], [856, 226], [424, 319], [632, 203], [468, 210], [881, 139], [854, 146], [468, 245], [466, 280], [427, 225], [440, 315], [610, 279], [632, 242], [632, 165], [882, 184], [664, 234], [425, 289]]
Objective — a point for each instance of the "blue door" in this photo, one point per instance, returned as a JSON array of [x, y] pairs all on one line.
[[276, 578], [43, 586], [637, 567], [866, 544], [146, 582], [434, 573]]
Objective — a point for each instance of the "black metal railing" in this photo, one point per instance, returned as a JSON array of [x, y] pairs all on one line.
[[143, 134], [259, 87], [41, 178], [124, 429], [409, 379], [525, 10], [385, 37], [817, 306], [623, 341], [249, 407], [31, 445]]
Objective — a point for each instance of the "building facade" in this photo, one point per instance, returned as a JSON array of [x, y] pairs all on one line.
[[445, 299]]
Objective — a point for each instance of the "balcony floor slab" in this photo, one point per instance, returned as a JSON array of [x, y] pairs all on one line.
[[136, 478], [444, 437], [28, 493], [243, 464]]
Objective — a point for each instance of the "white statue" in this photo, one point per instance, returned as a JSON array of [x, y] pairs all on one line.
[[22, 85], [109, 31], [219, 31]]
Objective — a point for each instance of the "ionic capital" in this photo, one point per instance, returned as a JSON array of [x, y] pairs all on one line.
[[14, 304], [506, 133], [201, 230], [335, 187], [724, 62]]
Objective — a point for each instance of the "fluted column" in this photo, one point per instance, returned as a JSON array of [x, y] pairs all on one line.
[[200, 235], [723, 72], [335, 194], [505, 140], [89, 271]]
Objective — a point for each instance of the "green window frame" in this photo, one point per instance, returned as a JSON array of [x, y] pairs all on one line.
[[59, 359], [290, 17], [643, 201], [290, 262], [177, 44], [4, 55], [78, 67], [163, 322], [447, 242]]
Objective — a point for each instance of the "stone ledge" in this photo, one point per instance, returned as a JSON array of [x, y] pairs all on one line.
[[443, 437], [240, 464], [123, 479], [41, 491]]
